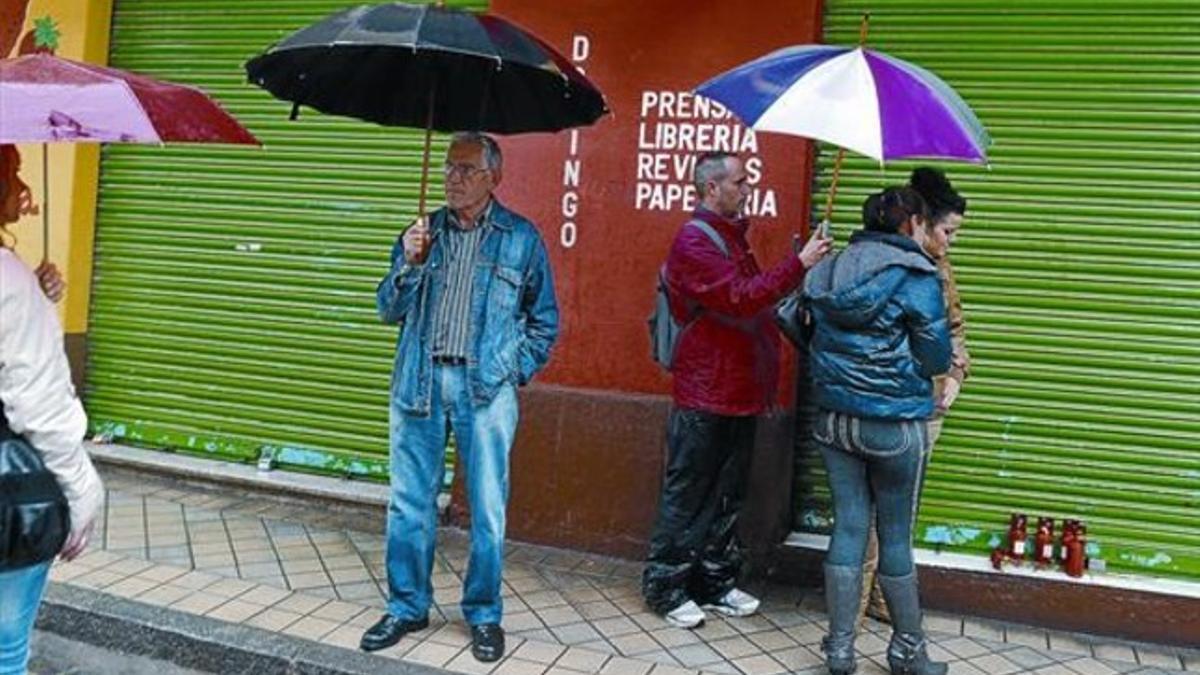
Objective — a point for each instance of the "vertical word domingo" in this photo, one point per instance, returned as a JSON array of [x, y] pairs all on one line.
[[581, 47]]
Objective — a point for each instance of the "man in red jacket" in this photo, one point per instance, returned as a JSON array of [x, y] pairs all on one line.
[[726, 369]]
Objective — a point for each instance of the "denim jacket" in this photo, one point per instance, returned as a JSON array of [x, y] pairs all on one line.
[[514, 315], [881, 329]]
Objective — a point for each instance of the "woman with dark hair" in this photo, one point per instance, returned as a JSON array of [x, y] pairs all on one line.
[[946, 210], [880, 337], [38, 404]]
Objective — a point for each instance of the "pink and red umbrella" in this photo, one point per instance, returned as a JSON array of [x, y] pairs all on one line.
[[47, 99]]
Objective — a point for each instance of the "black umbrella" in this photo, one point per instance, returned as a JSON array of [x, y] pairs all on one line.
[[429, 67]]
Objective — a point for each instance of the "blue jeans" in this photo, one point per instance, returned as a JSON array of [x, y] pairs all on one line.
[[483, 437], [20, 594], [872, 464]]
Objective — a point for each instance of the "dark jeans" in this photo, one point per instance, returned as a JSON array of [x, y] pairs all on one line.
[[694, 549], [873, 465]]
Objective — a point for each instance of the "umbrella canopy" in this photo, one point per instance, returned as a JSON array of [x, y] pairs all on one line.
[[864, 100], [47, 99], [429, 67]]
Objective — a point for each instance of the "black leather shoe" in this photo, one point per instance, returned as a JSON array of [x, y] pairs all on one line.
[[487, 642], [388, 631]]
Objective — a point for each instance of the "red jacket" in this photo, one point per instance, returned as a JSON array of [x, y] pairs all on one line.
[[718, 367]]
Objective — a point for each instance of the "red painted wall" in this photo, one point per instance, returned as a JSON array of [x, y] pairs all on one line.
[[609, 198]]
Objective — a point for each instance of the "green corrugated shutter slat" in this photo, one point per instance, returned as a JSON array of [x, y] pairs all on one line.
[[233, 300], [1079, 266]]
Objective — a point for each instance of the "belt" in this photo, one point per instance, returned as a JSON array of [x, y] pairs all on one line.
[[444, 360]]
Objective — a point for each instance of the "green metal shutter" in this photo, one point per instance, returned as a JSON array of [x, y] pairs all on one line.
[[233, 305], [1079, 267]]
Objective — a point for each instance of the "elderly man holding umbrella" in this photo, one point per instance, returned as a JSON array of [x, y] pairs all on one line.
[[473, 287], [471, 282]]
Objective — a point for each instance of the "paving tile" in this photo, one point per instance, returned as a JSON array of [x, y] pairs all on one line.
[[611, 628], [576, 633], [230, 588], [785, 618], [995, 664], [622, 666], [1085, 665], [543, 599], [514, 666], [714, 630], [1027, 636], [697, 655], [274, 619], [199, 602], [870, 644], [452, 634], [664, 669], [634, 644], [1070, 643], [128, 567], [558, 616], [983, 629], [1158, 656], [659, 656], [944, 623], [602, 609], [759, 665], [671, 637], [164, 595], [301, 603], [234, 611], [97, 579], [432, 654], [346, 637], [750, 624], [1027, 658], [963, 648], [735, 647], [798, 658], [522, 621], [581, 659], [131, 586], [539, 652], [806, 633], [772, 640], [465, 662], [1054, 669], [1112, 651], [311, 628], [966, 668]]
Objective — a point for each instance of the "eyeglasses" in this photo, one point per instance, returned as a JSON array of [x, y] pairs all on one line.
[[462, 171]]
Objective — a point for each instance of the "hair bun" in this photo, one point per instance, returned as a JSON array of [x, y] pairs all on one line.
[[930, 181]]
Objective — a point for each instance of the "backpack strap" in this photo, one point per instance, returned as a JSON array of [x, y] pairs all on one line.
[[696, 308], [712, 234]]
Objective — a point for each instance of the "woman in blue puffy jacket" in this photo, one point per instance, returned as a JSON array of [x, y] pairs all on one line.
[[880, 337]]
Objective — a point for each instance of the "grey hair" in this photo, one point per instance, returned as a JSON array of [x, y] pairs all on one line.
[[710, 166], [493, 159]]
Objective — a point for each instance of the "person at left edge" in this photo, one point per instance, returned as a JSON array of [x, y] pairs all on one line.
[[472, 286]]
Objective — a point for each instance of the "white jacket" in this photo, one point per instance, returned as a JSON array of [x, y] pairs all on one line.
[[35, 386]]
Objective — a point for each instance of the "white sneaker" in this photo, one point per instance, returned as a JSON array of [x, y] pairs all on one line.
[[687, 615], [735, 603]]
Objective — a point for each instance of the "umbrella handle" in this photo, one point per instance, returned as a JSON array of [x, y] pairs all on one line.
[[425, 158], [45, 203], [833, 186]]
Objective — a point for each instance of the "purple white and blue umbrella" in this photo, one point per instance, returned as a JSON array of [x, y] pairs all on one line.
[[863, 100]]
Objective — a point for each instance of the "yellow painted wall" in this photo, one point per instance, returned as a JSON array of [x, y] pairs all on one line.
[[73, 168]]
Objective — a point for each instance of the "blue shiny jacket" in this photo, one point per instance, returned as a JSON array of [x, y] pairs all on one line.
[[514, 312], [881, 329]]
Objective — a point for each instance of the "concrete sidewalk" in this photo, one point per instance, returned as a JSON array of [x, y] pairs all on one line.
[[318, 575]]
